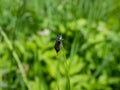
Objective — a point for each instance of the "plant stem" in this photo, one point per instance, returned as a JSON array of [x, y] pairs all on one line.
[[66, 64], [58, 72], [15, 57]]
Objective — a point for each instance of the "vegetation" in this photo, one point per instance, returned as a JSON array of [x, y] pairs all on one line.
[[88, 60]]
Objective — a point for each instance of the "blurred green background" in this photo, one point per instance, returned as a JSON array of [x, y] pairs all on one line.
[[91, 40]]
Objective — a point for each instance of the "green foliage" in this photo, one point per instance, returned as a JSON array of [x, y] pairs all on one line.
[[91, 53]]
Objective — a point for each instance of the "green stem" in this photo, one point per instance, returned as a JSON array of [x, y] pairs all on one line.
[[58, 74], [66, 64], [15, 57]]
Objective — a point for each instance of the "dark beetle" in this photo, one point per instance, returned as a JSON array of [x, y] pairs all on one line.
[[58, 43]]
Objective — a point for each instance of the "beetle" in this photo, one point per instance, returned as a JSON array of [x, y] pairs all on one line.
[[58, 43]]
